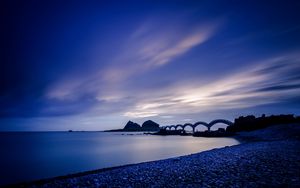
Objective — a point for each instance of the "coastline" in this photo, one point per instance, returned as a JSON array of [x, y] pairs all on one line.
[[260, 160]]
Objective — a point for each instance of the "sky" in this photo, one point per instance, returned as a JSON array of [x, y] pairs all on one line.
[[94, 65]]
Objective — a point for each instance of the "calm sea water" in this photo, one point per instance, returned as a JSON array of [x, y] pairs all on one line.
[[35, 155]]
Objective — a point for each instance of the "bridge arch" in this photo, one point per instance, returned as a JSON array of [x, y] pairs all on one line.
[[193, 126], [179, 125], [168, 127], [201, 123], [224, 121], [172, 126], [189, 124]]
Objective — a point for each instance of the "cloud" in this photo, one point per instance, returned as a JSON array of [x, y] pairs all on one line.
[[157, 53], [112, 87], [149, 47], [280, 87], [265, 82], [154, 45], [262, 83]]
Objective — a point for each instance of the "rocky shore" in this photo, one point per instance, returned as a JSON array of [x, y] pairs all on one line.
[[269, 158]]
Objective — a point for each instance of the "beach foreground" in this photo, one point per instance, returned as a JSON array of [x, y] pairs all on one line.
[[270, 158]]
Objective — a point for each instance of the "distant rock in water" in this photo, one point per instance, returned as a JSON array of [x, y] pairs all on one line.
[[131, 126], [150, 126]]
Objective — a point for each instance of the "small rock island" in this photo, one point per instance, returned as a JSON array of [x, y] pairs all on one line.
[[130, 126]]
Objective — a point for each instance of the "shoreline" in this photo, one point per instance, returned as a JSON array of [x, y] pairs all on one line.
[[250, 142], [100, 170]]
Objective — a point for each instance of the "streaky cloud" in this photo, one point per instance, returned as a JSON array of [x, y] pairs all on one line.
[[280, 87], [146, 49], [149, 48], [250, 86]]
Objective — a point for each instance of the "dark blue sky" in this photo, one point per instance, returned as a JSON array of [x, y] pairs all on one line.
[[93, 65]]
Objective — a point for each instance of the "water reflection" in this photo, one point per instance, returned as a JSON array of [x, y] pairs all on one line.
[[30, 156]]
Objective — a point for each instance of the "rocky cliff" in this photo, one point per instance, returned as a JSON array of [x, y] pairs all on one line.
[[131, 126], [146, 126], [150, 126]]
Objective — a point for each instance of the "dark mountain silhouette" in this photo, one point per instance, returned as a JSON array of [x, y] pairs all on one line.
[[150, 125], [131, 126]]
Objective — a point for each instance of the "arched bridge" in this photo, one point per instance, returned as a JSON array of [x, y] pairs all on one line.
[[193, 126]]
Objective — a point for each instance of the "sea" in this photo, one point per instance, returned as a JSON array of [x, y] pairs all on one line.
[[29, 156]]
